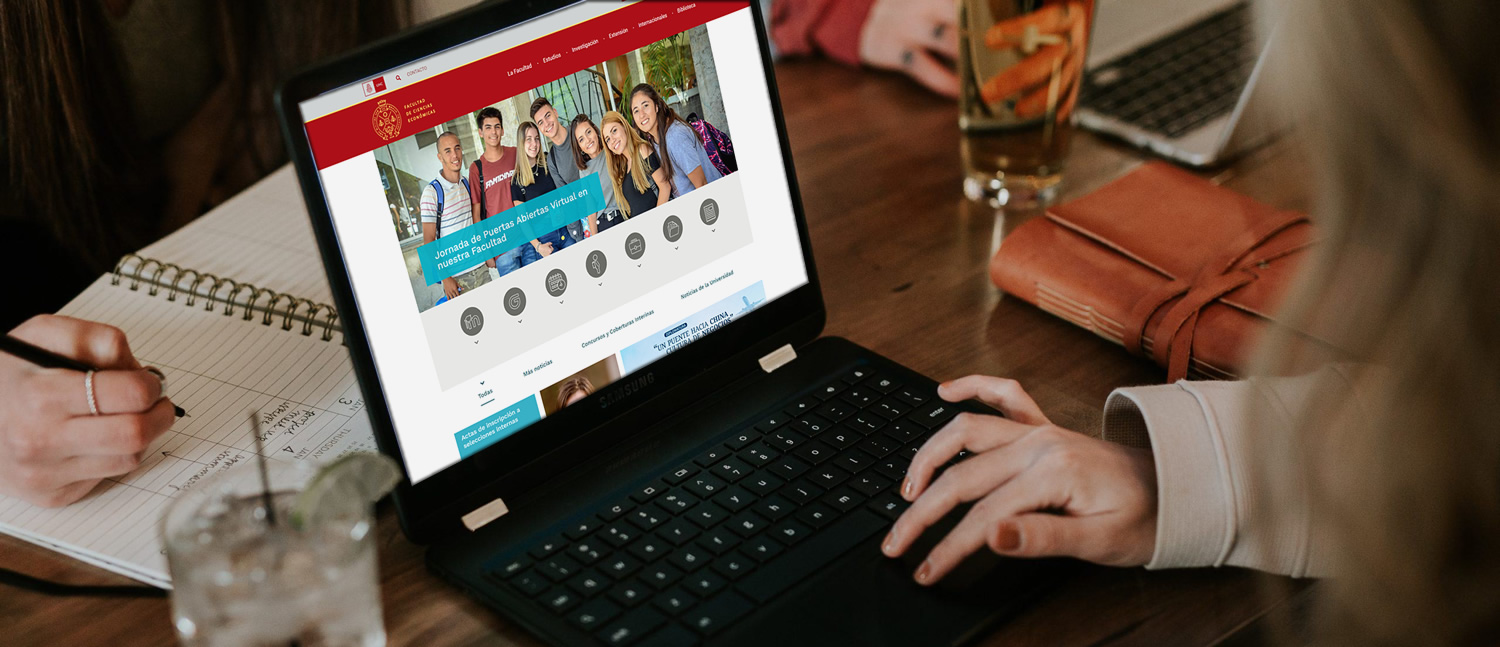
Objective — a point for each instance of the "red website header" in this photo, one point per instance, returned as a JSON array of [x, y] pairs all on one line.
[[368, 125]]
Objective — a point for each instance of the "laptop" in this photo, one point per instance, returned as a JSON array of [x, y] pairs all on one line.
[[1182, 78], [638, 437]]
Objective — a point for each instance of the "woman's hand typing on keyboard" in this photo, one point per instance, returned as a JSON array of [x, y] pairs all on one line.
[[1038, 490]]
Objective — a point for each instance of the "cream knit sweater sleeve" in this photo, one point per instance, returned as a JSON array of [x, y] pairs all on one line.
[[1213, 474]]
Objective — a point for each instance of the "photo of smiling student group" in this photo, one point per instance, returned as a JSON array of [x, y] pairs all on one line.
[[646, 127]]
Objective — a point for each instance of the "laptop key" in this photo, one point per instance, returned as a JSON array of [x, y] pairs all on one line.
[[859, 396], [858, 375], [647, 492], [511, 567], [811, 425], [661, 575], [630, 593], [677, 476], [934, 415], [733, 566], [561, 600], [731, 469], [559, 568], [615, 511], [894, 468], [675, 601], [762, 484], [704, 583], [676, 502], [619, 533], [867, 423], [829, 476], [649, 548], [855, 461], [707, 515], [632, 627], [594, 614], [735, 498], [888, 505], [814, 452], [647, 518], [719, 541], [785, 440], [772, 422], [713, 455], [762, 548], [578, 529], [531, 583], [803, 406], [912, 396], [843, 499], [829, 390], [890, 408], [842, 437], [905, 431], [589, 583], [835, 411], [878, 446], [816, 515], [704, 485], [788, 467], [619, 566], [720, 612], [758, 454], [882, 384], [774, 508], [799, 561], [547, 547], [790, 532], [802, 491], [587, 551], [747, 523], [868, 484], [679, 532], [690, 558]]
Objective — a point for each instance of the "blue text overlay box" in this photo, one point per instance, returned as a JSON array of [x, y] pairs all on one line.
[[490, 430], [460, 250]]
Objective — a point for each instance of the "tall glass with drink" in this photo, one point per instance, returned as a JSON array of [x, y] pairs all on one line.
[[1020, 66]]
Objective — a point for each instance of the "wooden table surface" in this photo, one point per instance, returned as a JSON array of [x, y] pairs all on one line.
[[903, 261]]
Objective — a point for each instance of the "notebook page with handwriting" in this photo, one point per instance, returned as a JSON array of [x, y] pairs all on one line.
[[219, 366]]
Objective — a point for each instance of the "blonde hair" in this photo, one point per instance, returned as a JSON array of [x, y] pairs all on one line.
[[524, 176], [619, 165], [1397, 101]]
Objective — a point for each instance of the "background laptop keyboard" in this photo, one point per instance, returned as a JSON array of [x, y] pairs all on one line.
[[1180, 81], [693, 551]]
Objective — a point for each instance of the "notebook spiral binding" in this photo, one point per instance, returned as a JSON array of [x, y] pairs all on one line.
[[226, 291]]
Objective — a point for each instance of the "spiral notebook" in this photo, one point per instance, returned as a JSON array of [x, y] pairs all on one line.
[[234, 309]]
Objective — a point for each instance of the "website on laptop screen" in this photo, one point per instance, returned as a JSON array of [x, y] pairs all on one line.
[[530, 216]]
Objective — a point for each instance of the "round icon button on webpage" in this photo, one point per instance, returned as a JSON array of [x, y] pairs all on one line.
[[557, 283], [596, 264], [672, 228], [515, 301], [708, 212], [635, 246], [472, 321]]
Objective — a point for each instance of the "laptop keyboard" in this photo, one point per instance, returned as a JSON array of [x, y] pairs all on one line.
[[1180, 81], [696, 549]]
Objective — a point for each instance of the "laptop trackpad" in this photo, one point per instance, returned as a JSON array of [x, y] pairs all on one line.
[[869, 599]]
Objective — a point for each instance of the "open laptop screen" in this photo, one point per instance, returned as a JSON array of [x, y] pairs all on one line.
[[531, 215]]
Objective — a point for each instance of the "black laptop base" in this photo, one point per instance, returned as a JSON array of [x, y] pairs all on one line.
[[754, 517]]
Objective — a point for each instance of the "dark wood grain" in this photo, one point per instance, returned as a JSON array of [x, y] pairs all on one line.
[[903, 263]]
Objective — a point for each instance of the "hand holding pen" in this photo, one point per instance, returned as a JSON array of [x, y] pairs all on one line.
[[75, 408]]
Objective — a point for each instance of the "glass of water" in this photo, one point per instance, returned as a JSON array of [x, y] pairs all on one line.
[[243, 574], [1020, 67]]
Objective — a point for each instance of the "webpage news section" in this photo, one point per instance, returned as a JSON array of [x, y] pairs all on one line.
[[531, 216]]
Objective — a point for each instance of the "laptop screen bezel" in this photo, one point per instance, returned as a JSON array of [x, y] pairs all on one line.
[[435, 505]]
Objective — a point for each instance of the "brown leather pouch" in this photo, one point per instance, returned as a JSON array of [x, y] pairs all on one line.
[[1162, 262]]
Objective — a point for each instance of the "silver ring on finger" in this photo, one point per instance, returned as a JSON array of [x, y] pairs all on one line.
[[88, 390]]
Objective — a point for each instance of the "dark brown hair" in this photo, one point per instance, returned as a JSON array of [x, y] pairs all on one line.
[[571, 386], [579, 157], [665, 115]]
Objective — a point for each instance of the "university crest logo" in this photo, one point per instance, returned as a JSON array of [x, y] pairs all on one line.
[[386, 120]]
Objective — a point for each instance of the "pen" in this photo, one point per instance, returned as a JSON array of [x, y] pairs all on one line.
[[48, 359]]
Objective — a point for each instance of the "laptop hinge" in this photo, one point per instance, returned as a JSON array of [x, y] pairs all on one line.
[[483, 515], [778, 358]]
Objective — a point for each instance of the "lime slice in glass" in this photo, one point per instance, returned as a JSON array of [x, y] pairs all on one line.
[[359, 478]]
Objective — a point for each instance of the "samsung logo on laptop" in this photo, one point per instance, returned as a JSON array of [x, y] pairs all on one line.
[[626, 390]]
